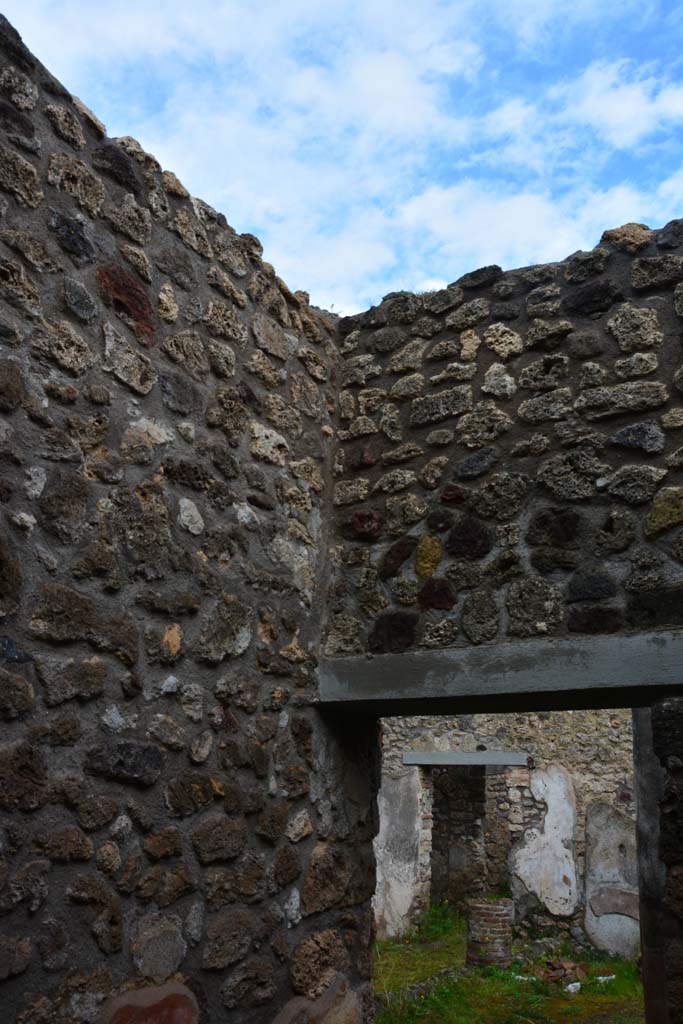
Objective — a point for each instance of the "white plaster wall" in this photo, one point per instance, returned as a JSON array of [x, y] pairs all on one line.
[[544, 864], [611, 919], [402, 849]]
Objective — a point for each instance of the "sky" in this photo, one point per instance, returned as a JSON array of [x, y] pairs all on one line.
[[377, 145]]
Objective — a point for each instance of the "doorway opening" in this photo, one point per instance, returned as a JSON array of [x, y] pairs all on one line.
[[536, 810]]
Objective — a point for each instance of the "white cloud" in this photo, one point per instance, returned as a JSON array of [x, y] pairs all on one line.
[[468, 225], [670, 193], [376, 144], [539, 24], [620, 103]]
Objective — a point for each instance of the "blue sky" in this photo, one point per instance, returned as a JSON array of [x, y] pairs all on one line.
[[374, 145]]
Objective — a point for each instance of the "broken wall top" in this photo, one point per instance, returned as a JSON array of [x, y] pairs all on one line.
[[510, 461]]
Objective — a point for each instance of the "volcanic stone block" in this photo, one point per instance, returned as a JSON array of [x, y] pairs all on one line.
[[591, 587], [132, 368], [501, 497], [64, 845], [63, 615], [646, 436], [480, 278], [483, 425], [395, 556], [597, 403], [393, 632], [127, 761], [437, 594], [469, 539], [480, 616], [432, 408], [251, 984], [315, 962], [651, 272], [583, 265], [594, 620], [158, 946], [58, 341], [554, 526], [226, 631], [534, 606], [19, 177], [666, 510], [476, 464], [23, 777], [11, 577], [592, 297], [219, 838], [71, 175], [654, 608], [572, 475], [16, 696], [15, 955], [469, 314], [119, 289], [130, 219], [554, 405], [188, 793], [502, 340], [635, 328], [114, 162], [72, 235], [630, 238], [228, 938]]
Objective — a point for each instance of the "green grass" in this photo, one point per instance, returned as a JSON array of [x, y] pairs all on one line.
[[491, 996], [438, 943]]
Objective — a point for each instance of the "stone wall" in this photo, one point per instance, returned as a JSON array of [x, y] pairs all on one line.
[[172, 804], [510, 454], [198, 469]]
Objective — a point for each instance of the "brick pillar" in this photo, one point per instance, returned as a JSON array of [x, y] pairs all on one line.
[[489, 932]]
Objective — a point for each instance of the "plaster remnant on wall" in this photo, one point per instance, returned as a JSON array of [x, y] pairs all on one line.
[[545, 863], [402, 891], [611, 916]]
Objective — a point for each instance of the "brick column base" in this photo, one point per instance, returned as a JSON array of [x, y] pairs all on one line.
[[489, 932]]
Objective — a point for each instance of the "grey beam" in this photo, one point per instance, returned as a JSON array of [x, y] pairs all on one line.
[[448, 758], [628, 670]]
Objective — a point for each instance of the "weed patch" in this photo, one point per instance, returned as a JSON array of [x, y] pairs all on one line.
[[491, 995]]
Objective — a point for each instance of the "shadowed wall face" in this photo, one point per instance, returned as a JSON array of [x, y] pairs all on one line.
[[458, 862], [658, 741], [172, 805]]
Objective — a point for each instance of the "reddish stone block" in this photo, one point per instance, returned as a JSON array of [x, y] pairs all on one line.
[[452, 494], [119, 289], [436, 593], [166, 1004], [366, 524]]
